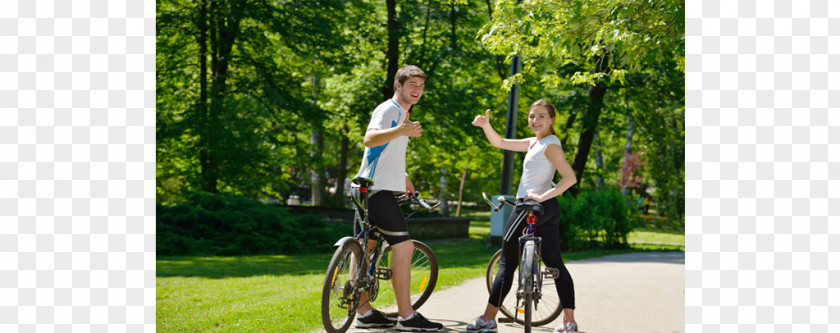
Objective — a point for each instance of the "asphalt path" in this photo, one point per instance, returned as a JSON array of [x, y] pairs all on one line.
[[635, 292]]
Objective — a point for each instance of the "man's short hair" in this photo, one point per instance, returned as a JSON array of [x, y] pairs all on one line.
[[407, 72]]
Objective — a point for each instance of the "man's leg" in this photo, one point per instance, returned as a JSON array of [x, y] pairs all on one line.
[[401, 275]]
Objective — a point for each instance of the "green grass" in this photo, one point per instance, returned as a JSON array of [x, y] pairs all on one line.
[[282, 293], [650, 239]]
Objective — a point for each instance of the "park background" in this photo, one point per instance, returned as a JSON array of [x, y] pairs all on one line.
[[259, 102]]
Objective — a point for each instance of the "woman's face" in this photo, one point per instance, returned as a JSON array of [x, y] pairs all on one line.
[[539, 120]]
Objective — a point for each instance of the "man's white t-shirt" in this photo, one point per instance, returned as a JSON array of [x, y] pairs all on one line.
[[537, 170], [385, 164]]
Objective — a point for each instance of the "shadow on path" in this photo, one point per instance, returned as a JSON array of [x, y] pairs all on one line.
[[670, 257]]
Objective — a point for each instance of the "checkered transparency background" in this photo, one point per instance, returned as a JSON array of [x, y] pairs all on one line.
[[762, 166], [77, 166]]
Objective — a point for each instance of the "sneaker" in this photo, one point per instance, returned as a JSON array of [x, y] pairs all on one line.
[[481, 326], [570, 327], [418, 323], [375, 319]]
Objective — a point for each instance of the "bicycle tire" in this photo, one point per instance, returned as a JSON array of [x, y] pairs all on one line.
[[424, 274], [334, 315], [527, 271], [549, 308], [529, 303]]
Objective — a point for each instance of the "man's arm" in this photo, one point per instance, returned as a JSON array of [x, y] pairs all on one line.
[[376, 137]]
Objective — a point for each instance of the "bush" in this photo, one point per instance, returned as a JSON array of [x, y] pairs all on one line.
[[222, 224], [596, 220]]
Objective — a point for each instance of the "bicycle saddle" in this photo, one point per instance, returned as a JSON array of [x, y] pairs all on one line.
[[363, 182], [530, 206]]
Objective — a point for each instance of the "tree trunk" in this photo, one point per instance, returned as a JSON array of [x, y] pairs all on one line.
[[223, 32], [203, 146], [393, 49], [316, 141], [569, 122], [628, 145], [461, 188], [590, 121], [453, 36], [341, 174], [444, 205], [599, 161]]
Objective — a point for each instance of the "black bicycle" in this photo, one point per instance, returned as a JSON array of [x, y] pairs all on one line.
[[535, 307], [351, 279]]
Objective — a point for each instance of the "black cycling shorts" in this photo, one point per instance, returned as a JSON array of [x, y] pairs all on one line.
[[385, 214]]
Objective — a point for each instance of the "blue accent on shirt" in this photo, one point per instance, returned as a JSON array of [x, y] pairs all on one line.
[[374, 152]]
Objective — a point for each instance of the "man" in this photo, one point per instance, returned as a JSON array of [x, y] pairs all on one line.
[[386, 140]]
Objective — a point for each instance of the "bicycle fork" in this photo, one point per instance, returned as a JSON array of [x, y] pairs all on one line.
[[530, 276]]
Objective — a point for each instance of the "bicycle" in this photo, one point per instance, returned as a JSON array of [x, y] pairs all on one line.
[[349, 273], [530, 273]]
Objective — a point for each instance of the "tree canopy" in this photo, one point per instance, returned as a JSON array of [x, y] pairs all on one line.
[[268, 99]]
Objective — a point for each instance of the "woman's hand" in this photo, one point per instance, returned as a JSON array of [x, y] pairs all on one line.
[[482, 121], [534, 196]]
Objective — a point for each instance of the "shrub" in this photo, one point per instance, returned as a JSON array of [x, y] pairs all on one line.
[[596, 220], [222, 224]]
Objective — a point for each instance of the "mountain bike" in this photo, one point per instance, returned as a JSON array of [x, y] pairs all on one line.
[[357, 268], [535, 308]]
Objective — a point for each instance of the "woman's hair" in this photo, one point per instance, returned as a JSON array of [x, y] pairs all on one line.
[[547, 106]]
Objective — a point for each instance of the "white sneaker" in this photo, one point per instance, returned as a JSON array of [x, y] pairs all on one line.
[[481, 326]]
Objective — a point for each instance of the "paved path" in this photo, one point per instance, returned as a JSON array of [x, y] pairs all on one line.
[[635, 292]]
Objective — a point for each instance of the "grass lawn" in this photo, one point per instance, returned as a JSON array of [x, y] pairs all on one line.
[[282, 293]]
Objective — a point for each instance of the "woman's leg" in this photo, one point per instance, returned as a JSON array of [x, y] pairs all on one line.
[[505, 275]]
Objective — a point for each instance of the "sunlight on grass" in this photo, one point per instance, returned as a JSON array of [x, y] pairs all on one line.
[[282, 293]]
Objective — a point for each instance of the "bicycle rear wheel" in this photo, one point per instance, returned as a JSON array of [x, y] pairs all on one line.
[[339, 297], [549, 307], [424, 273]]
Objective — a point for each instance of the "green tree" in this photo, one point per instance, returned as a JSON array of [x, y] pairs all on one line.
[[603, 40]]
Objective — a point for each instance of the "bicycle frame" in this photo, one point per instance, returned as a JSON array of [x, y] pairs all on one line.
[[535, 266], [366, 278], [527, 270]]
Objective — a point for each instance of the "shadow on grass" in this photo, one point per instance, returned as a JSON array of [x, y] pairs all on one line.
[[451, 253], [241, 266]]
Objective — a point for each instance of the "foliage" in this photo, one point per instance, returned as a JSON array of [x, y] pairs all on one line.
[[223, 224], [605, 39], [596, 220], [632, 162], [297, 68]]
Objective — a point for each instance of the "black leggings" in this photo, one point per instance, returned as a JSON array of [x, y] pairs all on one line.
[[549, 230]]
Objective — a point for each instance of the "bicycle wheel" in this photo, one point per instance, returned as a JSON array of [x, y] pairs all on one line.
[[339, 297], [424, 272], [549, 307], [527, 280]]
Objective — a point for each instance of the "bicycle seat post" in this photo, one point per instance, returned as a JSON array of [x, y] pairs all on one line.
[[363, 190]]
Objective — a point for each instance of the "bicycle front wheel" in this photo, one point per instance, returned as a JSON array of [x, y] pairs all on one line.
[[549, 307], [339, 297], [527, 281], [424, 273]]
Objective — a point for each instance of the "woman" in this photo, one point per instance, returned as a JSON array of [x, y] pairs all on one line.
[[544, 156]]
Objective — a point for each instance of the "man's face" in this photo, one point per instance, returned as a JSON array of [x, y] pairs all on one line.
[[411, 90]]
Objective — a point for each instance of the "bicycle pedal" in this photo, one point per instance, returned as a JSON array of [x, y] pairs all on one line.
[[383, 273], [551, 273], [504, 320]]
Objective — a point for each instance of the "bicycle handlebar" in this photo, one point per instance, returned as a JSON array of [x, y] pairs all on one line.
[[415, 198], [501, 199]]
